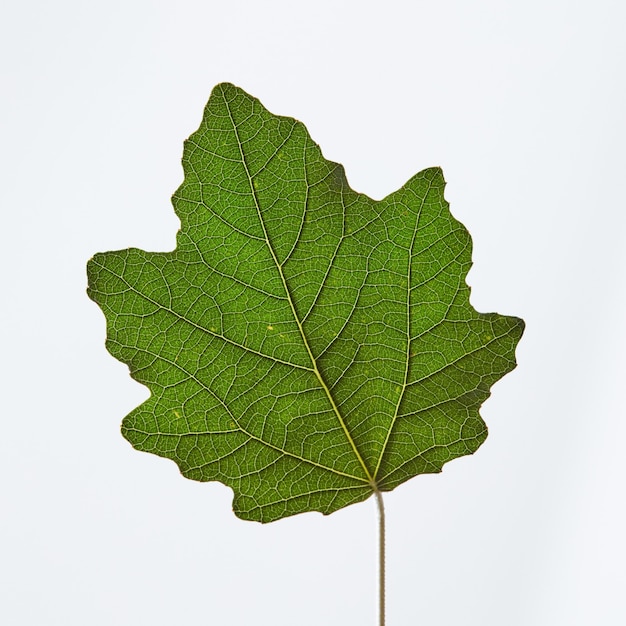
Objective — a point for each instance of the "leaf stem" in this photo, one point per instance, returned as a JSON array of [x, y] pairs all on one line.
[[381, 556]]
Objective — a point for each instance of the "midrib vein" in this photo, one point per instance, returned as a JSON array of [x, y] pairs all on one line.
[[279, 268]]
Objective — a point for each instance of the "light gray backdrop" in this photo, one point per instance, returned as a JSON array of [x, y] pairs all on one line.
[[521, 103]]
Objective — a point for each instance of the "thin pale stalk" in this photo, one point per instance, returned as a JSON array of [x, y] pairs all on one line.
[[381, 557]]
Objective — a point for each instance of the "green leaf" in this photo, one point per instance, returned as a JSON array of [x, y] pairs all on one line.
[[303, 344]]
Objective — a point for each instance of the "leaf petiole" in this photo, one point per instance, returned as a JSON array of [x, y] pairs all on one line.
[[381, 557]]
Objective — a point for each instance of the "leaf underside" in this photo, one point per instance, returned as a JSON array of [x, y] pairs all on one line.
[[303, 344]]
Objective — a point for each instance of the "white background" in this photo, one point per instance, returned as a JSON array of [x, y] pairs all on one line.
[[522, 104]]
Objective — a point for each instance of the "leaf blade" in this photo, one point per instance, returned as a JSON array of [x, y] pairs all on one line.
[[301, 340]]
